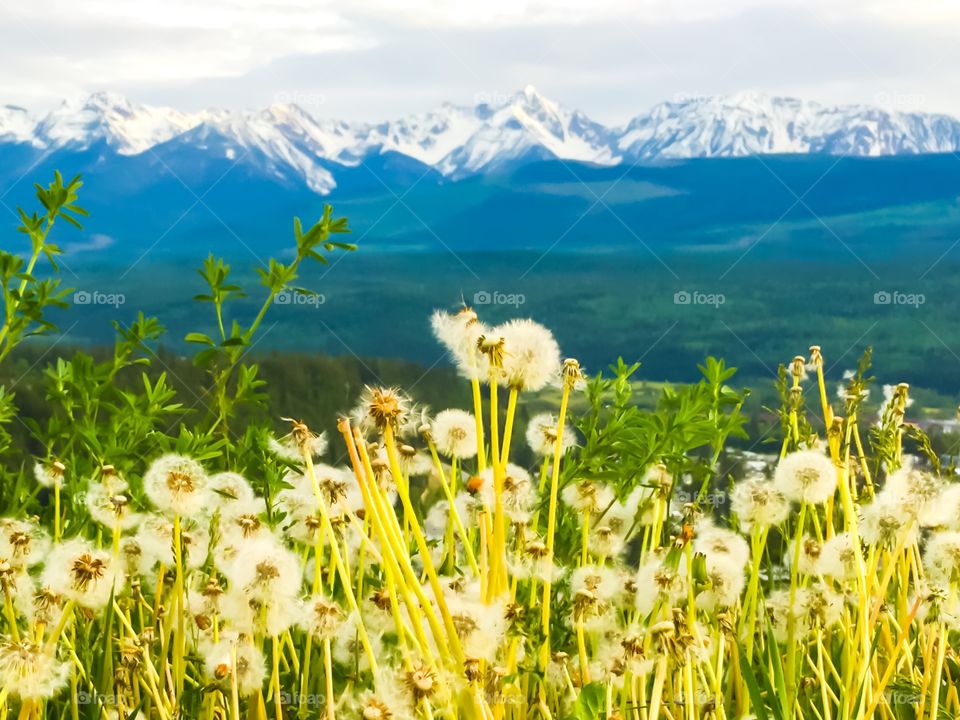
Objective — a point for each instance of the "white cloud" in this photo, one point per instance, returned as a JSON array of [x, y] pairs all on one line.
[[375, 59]]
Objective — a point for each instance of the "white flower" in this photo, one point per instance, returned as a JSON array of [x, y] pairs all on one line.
[[23, 542], [460, 333], [758, 503], [722, 545], [228, 489], [587, 496], [884, 522], [806, 476], [236, 655], [838, 558], [531, 356], [455, 433], [725, 580], [177, 485], [320, 616], [941, 557], [112, 510], [49, 474], [30, 673], [542, 435], [155, 538], [81, 573], [264, 569], [918, 491], [286, 448]]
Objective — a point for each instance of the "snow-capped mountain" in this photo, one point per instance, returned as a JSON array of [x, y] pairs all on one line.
[[751, 123], [287, 143]]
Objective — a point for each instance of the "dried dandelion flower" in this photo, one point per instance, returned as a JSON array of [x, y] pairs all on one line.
[[381, 407]]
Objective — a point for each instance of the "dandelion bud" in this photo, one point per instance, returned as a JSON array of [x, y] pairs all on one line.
[[816, 358], [798, 368]]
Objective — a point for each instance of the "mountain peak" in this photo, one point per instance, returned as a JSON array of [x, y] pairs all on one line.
[[288, 141]]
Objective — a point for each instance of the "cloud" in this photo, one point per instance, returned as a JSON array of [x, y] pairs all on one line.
[[377, 59]]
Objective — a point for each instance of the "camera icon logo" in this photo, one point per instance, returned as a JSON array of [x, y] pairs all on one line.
[[481, 298], [681, 297], [881, 297], [81, 297]]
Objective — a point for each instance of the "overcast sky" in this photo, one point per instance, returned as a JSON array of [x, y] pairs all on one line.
[[377, 59]]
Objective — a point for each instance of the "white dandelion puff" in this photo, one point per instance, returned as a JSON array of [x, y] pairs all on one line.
[[454, 433], [758, 503], [79, 572], [177, 485], [542, 435], [806, 476], [27, 672], [531, 356]]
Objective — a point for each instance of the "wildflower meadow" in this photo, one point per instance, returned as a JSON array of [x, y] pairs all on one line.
[[159, 560]]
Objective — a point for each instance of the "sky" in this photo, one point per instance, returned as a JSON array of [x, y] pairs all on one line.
[[380, 59]]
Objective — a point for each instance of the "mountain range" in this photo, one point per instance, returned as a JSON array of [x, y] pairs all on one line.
[[286, 144]]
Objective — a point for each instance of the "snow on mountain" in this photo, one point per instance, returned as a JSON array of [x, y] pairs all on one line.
[[748, 123], [529, 124], [287, 142], [128, 129], [16, 125]]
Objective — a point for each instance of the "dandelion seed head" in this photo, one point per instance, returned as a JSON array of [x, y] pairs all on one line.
[[531, 356], [236, 655], [542, 435], [455, 433], [177, 485], [722, 545], [806, 476], [112, 510], [30, 673], [587, 496], [23, 542], [837, 559], [50, 473], [459, 334], [885, 521], [81, 573], [941, 557], [229, 490], [757, 502]]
